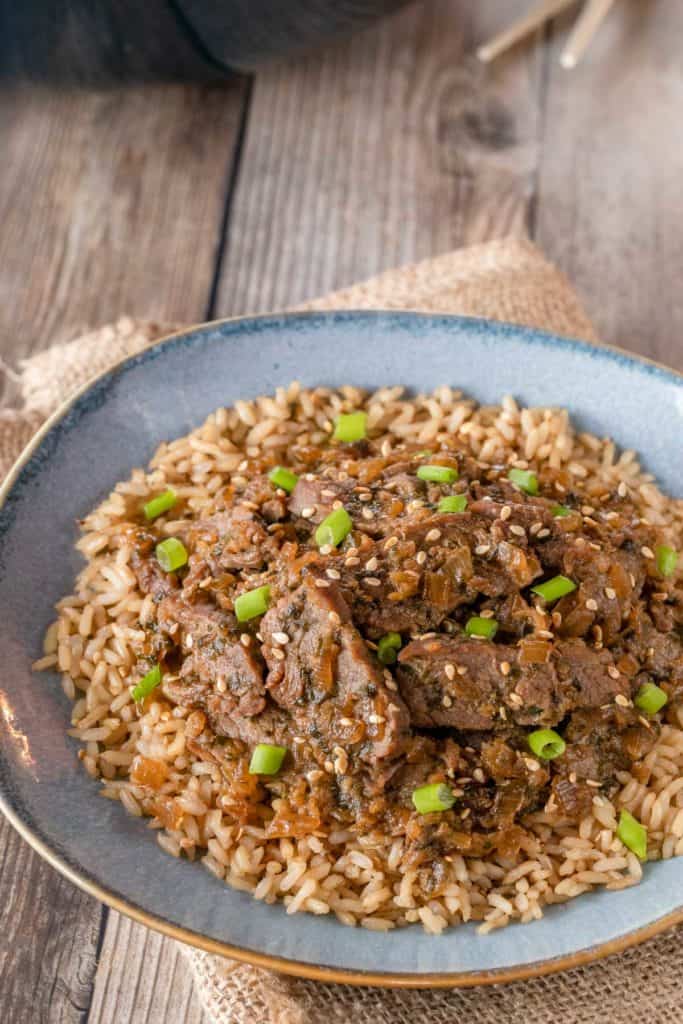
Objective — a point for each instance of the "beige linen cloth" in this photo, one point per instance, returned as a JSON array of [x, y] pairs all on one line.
[[506, 280]]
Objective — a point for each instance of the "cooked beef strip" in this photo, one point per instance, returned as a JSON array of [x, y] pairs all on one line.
[[361, 737]]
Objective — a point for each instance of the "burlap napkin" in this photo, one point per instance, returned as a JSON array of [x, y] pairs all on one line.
[[506, 280]]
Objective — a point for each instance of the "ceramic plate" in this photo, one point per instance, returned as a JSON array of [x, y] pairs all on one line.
[[114, 425]]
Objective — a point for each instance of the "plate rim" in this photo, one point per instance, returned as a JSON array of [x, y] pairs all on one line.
[[443, 979]]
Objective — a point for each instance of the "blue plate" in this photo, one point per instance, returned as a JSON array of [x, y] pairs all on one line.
[[114, 425]]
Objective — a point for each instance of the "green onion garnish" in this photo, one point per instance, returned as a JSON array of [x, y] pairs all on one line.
[[477, 626], [387, 648], [546, 743], [171, 554], [333, 529], [266, 759], [162, 503], [667, 560], [632, 834], [560, 511], [435, 797], [438, 474], [453, 503], [524, 479], [650, 698], [147, 683], [350, 427], [283, 478], [252, 603], [554, 589]]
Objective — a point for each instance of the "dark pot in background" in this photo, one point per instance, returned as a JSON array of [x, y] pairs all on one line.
[[99, 41]]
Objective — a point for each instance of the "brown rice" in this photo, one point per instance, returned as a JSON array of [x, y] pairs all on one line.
[[359, 878]]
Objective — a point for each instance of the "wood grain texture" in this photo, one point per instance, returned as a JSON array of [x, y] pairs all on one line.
[[110, 202], [48, 939], [388, 148], [610, 199], [142, 978]]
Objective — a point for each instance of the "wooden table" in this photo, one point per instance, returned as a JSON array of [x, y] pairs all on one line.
[[188, 203]]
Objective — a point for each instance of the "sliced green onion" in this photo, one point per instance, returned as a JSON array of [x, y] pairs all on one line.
[[650, 698], [350, 427], [524, 479], [546, 743], [560, 511], [438, 474], [266, 759], [453, 503], [171, 554], [147, 683], [387, 648], [252, 603], [333, 529], [435, 797], [162, 503], [667, 560], [554, 589], [477, 626], [283, 478], [632, 834]]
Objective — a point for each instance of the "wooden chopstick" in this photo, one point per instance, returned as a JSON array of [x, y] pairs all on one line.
[[522, 28], [587, 24]]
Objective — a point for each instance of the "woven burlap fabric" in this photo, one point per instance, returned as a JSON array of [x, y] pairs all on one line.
[[505, 280]]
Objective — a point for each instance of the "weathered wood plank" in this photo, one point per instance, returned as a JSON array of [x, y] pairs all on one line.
[[390, 147], [110, 202], [48, 939], [142, 977], [610, 203]]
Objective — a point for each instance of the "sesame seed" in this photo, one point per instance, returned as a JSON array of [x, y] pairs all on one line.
[[622, 701], [341, 760], [532, 765], [372, 581], [515, 700], [322, 584], [326, 549], [315, 775], [421, 557], [486, 613], [557, 619], [592, 605], [278, 654], [333, 574], [446, 701], [449, 671], [647, 552], [351, 561], [329, 767], [505, 512], [461, 670], [543, 533], [327, 493], [518, 531], [432, 536], [390, 543], [610, 593], [334, 618], [243, 465], [622, 490], [594, 783], [478, 775], [309, 476], [613, 671], [367, 513], [503, 713], [415, 504], [245, 639], [371, 564], [545, 633], [307, 512], [376, 719], [482, 549], [458, 792], [466, 813], [221, 685], [365, 496], [534, 528], [346, 722], [505, 668], [280, 638], [386, 447], [587, 510], [572, 777]]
